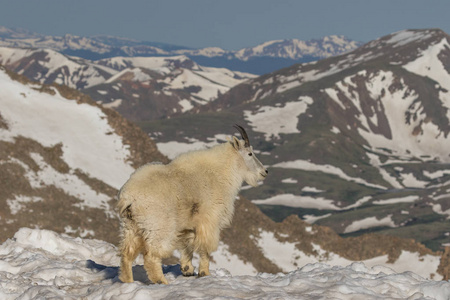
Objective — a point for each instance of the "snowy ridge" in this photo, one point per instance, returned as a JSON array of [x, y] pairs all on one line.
[[40, 263], [48, 66], [177, 78], [296, 49]]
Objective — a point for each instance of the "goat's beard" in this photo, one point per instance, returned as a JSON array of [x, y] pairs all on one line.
[[253, 179]]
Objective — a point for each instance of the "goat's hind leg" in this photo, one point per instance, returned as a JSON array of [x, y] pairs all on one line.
[[187, 252], [186, 261], [153, 267], [130, 247], [203, 269]]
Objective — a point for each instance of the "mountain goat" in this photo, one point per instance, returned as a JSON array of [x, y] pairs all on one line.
[[183, 205]]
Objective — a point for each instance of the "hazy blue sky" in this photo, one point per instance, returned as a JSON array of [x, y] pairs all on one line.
[[229, 24]]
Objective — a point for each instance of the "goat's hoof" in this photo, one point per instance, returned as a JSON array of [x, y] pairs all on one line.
[[159, 281], [203, 274], [162, 282], [187, 271]]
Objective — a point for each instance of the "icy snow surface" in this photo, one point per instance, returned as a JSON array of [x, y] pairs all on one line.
[[40, 264]]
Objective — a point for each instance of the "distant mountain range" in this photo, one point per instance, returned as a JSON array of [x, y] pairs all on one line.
[[264, 58], [63, 159]]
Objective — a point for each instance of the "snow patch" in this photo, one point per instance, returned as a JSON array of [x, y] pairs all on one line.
[[369, 222], [275, 120]]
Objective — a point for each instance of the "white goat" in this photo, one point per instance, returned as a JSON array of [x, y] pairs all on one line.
[[183, 205]]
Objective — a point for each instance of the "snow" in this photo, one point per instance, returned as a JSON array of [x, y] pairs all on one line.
[[183, 72], [159, 64], [396, 103], [289, 180], [185, 105], [309, 189], [69, 183], [428, 64], [136, 73], [208, 51], [70, 70], [88, 141], [328, 169], [15, 205], [287, 256], [436, 174], [407, 199], [275, 120], [375, 161], [369, 222], [114, 104], [404, 37], [437, 208], [39, 264], [299, 201], [311, 219]]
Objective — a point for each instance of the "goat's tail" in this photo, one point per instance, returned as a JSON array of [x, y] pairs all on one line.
[[124, 204]]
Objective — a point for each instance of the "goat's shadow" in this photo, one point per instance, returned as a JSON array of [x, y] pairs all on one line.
[[139, 273]]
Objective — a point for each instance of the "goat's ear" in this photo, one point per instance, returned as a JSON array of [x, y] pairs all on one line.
[[236, 143]]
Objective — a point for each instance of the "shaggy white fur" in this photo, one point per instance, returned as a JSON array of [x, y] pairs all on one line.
[[183, 205]]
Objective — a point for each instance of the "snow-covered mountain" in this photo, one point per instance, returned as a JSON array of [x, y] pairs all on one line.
[[39, 264], [63, 158], [140, 88], [297, 49], [260, 59], [358, 142], [159, 87], [48, 66]]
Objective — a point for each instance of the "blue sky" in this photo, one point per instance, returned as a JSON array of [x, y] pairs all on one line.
[[229, 24]]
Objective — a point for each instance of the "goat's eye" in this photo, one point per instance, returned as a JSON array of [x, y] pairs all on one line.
[[250, 154]]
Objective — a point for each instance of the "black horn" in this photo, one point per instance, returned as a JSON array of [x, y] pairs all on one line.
[[243, 134]]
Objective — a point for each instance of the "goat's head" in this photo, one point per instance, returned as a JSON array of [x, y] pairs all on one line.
[[255, 171]]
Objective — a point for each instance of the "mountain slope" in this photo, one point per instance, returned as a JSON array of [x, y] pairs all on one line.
[[158, 87], [357, 142], [63, 158]]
